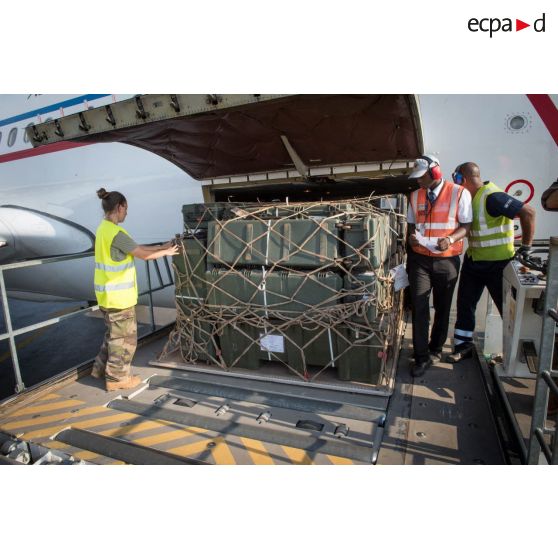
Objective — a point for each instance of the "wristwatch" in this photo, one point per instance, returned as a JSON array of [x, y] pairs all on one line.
[[450, 238]]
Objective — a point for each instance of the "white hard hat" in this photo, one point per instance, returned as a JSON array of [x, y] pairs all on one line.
[[422, 164]]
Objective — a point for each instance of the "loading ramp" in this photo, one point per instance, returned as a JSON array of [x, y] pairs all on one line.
[[185, 416]]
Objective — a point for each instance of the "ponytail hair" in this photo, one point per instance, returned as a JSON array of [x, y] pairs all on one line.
[[111, 200]]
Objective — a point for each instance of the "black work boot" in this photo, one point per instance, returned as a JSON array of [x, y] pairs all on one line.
[[420, 368], [461, 352], [435, 356]]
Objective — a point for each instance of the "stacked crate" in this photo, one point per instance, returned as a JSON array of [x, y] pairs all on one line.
[[302, 285]]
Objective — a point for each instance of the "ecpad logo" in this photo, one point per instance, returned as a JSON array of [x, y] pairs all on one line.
[[494, 24]]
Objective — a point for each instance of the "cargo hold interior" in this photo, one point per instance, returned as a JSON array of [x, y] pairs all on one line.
[[316, 190]]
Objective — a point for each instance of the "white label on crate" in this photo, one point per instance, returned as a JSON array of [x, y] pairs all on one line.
[[388, 203], [272, 343], [400, 278]]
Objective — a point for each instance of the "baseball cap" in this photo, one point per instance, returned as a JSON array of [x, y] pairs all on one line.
[[422, 165]]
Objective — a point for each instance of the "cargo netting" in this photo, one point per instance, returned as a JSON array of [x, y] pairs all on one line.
[[306, 285]]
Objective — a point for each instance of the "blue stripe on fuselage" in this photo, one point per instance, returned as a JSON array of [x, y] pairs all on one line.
[[50, 108]]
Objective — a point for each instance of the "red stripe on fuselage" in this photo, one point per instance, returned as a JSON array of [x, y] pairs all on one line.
[[41, 150], [548, 112]]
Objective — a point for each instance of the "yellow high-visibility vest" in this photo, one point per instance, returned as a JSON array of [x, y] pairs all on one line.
[[115, 282], [491, 238]]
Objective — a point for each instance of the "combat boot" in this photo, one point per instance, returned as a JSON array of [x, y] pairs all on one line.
[[126, 383]]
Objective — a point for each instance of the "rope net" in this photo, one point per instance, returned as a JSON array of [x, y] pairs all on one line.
[[305, 285]]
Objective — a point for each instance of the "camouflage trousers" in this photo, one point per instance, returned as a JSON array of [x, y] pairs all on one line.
[[119, 345]]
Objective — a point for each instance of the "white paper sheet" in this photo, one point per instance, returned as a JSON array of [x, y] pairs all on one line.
[[429, 243], [400, 277]]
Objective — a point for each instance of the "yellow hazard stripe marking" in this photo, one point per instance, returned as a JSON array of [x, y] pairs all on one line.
[[152, 439], [79, 424], [50, 397], [55, 444], [47, 407], [297, 456], [220, 452], [86, 455], [336, 460], [167, 436], [255, 448], [55, 418], [257, 451], [189, 449], [135, 428], [82, 454]]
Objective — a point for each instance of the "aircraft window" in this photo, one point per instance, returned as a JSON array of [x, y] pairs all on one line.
[[26, 138], [517, 122], [12, 137]]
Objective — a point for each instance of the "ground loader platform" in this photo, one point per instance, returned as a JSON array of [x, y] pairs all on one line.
[[180, 416]]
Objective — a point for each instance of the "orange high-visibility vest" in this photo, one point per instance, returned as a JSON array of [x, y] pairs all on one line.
[[438, 220]]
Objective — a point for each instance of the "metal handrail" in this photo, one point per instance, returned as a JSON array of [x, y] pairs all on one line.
[[510, 415], [545, 382], [11, 334], [51, 259], [543, 445], [550, 382]]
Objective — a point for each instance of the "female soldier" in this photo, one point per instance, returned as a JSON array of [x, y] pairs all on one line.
[[117, 291]]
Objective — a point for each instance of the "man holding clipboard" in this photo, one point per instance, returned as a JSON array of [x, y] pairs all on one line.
[[439, 217]]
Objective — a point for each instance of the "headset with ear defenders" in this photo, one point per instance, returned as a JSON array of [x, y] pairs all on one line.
[[434, 169], [457, 176]]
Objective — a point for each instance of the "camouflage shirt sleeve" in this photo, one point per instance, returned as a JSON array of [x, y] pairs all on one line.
[[121, 246]]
